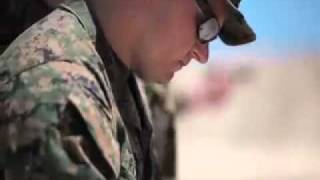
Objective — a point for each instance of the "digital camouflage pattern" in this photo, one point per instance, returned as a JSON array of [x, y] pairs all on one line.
[[48, 76]]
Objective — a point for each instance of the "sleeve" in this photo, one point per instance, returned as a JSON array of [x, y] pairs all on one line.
[[32, 147], [44, 133]]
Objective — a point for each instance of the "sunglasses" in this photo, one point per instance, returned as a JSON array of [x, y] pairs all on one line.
[[208, 25]]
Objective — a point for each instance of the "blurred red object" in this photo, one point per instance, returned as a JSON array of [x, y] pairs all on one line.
[[213, 90]]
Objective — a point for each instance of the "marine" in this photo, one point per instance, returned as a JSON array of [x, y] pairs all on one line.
[[70, 101]]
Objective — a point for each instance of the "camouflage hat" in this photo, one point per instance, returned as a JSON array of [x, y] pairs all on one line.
[[235, 30]]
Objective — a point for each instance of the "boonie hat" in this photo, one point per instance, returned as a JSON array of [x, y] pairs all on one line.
[[235, 30]]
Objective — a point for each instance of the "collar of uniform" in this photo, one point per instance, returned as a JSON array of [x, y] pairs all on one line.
[[80, 9]]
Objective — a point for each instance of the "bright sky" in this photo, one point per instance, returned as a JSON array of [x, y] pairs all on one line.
[[284, 28]]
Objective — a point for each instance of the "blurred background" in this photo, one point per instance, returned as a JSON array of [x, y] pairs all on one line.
[[253, 113]]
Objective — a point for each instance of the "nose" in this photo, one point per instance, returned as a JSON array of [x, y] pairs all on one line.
[[200, 52]]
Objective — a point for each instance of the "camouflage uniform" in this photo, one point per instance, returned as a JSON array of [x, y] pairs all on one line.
[[70, 109]]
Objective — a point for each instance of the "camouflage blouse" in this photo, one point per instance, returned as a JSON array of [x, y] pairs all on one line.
[[59, 118]]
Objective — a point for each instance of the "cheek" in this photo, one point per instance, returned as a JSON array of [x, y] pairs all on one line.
[[184, 30], [183, 38], [176, 44], [174, 37]]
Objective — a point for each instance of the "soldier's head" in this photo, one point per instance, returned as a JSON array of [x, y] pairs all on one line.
[[156, 38]]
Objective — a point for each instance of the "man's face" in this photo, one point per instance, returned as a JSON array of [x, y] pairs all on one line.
[[171, 41]]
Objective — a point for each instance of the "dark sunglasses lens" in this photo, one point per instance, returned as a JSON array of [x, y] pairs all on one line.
[[208, 30]]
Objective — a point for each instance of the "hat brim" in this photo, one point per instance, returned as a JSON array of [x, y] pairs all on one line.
[[235, 30]]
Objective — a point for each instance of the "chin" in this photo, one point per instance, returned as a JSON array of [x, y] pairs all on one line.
[[165, 78], [162, 79], [157, 80]]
